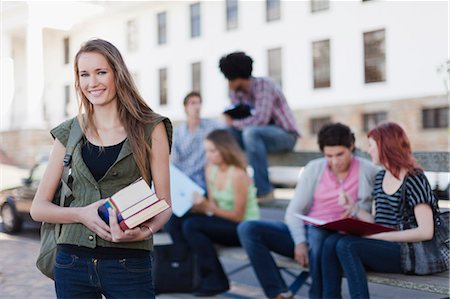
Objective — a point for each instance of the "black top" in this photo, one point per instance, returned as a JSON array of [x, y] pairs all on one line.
[[100, 159]]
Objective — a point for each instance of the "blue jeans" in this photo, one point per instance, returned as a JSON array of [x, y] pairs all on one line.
[[353, 255], [201, 232], [259, 238], [83, 277], [257, 142]]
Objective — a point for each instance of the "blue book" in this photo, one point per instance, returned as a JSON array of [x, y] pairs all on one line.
[[104, 214]]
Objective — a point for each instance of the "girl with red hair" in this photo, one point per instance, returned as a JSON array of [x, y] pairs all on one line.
[[389, 147]]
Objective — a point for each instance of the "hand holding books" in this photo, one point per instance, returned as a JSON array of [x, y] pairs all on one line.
[[132, 206]]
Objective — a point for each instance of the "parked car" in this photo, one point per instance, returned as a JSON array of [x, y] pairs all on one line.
[[15, 203]]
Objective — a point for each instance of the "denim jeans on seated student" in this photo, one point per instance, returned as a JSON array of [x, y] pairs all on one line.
[[259, 238], [257, 142], [352, 255], [83, 277]]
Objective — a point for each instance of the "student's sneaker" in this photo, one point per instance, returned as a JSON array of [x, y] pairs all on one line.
[[266, 198]]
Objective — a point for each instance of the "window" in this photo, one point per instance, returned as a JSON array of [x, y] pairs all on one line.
[[195, 20], [66, 100], [275, 65], [66, 50], [371, 120], [162, 28], [135, 76], [163, 87], [132, 35], [273, 11], [232, 14], [435, 118], [321, 63], [196, 71], [374, 56], [317, 123], [318, 5]]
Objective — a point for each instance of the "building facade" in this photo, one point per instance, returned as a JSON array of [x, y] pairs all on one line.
[[358, 62]]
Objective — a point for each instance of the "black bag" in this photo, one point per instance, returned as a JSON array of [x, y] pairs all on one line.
[[425, 257], [172, 272]]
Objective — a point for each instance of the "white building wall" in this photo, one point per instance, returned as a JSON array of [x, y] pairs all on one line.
[[416, 43]]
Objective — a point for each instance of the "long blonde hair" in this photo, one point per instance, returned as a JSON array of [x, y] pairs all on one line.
[[228, 148], [133, 112]]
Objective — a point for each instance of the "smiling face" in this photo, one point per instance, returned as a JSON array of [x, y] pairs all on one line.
[[96, 79]]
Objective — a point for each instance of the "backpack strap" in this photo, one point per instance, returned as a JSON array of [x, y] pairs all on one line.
[[66, 191], [74, 137]]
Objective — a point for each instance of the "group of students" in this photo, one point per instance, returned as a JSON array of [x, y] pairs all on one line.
[[124, 140]]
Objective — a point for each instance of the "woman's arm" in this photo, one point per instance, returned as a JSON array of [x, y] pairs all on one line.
[[423, 232], [43, 209], [159, 165], [240, 183]]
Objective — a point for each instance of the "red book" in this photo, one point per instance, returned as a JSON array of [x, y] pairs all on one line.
[[348, 225], [144, 215]]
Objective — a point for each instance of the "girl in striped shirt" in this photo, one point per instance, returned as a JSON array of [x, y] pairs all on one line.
[[388, 146]]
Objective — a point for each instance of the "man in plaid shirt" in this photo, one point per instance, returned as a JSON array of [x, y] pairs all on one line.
[[271, 127]]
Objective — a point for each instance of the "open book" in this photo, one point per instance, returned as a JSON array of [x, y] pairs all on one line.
[[134, 204], [181, 189], [348, 225]]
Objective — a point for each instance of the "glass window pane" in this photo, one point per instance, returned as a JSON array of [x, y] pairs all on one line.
[[195, 20], [196, 69], [321, 64], [66, 50], [132, 35], [374, 56], [232, 14], [162, 28], [318, 5], [275, 65], [163, 87], [273, 11]]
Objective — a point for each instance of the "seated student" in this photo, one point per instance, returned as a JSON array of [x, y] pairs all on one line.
[[390, 147], [231, 199], [323, 182], [189, 156]]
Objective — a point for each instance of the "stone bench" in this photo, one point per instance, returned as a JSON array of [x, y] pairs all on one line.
[[436, 283]]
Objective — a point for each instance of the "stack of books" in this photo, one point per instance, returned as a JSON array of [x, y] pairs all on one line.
[[133, 205]]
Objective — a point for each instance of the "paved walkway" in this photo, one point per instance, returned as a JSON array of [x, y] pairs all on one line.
[[20, 279]]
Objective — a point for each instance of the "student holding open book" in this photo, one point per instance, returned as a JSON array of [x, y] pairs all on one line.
[[324, 187], [231, 199], [388, 146], [123, 141]]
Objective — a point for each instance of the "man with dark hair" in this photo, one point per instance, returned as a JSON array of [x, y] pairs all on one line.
[[270, 128], [325, 188]]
